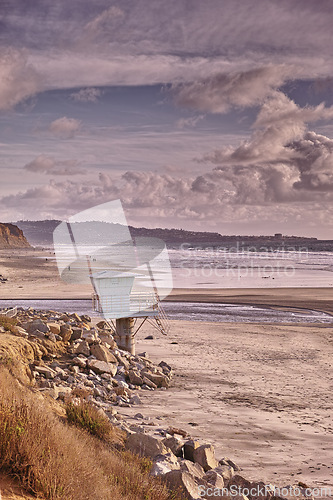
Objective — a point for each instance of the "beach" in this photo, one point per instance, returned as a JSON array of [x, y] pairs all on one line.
[[260, 393]]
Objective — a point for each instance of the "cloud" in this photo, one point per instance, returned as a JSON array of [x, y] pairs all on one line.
[[190, 122], [89, 94], [220, 93], [282, 161], [18, 79], [65, 128], [47, 165]]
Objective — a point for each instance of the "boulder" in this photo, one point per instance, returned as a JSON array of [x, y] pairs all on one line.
[[37, 324], [227, 461], [189, 447], [164, 464], [149, 383], [89, 336], [194, 469], [81, 362], [145, 445], [239, 483], [54, 328], [66, 332], [20, 332], [46, 371], [205, 456], [102, 353], [76, 333], [158, 379], [226, 471], [214, 478], [100, 367], [182, 481], [82, 348], [135, 378], [175, 445]]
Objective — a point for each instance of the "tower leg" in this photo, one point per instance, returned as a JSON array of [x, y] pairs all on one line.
[[125, 334]]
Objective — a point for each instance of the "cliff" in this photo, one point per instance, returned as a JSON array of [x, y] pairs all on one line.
[[12, 237]]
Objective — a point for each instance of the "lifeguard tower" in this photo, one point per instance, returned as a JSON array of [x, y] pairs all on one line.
[[130, 276], [126, 309]]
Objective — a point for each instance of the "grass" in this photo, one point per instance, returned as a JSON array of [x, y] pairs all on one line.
[[7, 323], [56, 461], [87, 417]]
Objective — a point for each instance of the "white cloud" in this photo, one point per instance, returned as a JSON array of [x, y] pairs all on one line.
[[47, 165], [65, 128], [18, 79], [219, 93], [190, 122], [89, 94]]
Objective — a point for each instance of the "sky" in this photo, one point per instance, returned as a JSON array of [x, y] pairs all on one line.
[[212, 115]]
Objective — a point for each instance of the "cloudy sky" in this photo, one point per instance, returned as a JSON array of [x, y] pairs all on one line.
[[206, 115]]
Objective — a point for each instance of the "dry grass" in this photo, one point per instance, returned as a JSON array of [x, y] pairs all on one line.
[[7, 323], [87, 417], [59, 461]]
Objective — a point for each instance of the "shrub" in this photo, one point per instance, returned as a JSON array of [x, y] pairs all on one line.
[[86, 416], [62, 462], [7, 323]]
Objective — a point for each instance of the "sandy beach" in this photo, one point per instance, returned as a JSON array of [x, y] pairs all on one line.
[[260, 393]]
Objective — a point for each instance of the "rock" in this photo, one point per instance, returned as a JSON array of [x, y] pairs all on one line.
[[102, 325], [37, 324], [214, 478], [175, 445], [182, 480], [81, 362], [85, 318], [149, 337], [164, 464], [226, 471], [52, 337], [176, 430], [157, 378], [205, 456], [76, 333], [135, 400], [102, 367], [122, 360], [102, 353], [194, 469], [20, 332], [239, 483], [165, 367], [82, 348], [145, 445], [54, 328], [227, 461], [64, 391], [89, 336], [46, 371], [149, 383], [135, 378], [76, 317], [65, 332]]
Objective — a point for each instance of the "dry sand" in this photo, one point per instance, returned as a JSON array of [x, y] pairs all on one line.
[[260, 393]]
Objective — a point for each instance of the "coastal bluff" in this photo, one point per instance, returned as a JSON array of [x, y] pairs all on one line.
[[12, 237]]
